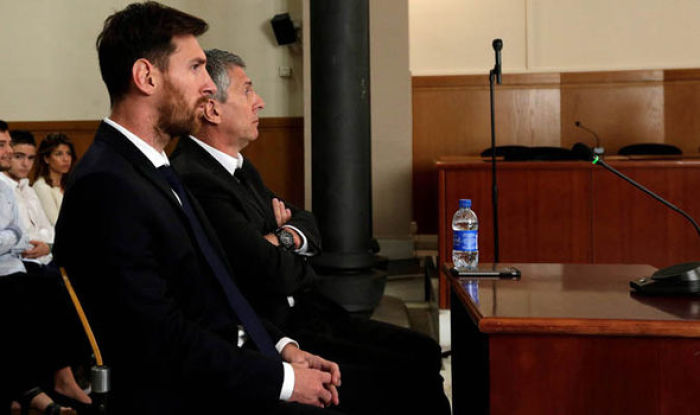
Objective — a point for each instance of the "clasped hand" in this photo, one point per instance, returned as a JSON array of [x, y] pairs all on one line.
[[316, 380]]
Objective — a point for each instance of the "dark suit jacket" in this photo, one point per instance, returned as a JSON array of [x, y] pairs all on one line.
[[268, 274], [159, 314]]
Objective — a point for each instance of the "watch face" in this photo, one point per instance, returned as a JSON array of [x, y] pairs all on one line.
[[286, 239]]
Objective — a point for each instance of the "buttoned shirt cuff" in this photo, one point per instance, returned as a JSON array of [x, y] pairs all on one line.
[[283, 342], [304, 248], [288, 380], [287, 383]]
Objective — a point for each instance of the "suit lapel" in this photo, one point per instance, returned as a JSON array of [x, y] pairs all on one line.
[[203, 160], [138, 160]]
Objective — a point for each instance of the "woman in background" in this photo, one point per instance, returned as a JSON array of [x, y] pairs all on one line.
[[55, 158]]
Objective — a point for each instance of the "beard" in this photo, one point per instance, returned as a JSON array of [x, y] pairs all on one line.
[[175, 117], [5, 163]]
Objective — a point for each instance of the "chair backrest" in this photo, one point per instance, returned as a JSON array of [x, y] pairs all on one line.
[[650, 149], [510, 153], [83, 318], [551, 153]]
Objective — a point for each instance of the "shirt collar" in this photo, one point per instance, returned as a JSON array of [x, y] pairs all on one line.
[[158, 158], [9, 180], [229, 162]]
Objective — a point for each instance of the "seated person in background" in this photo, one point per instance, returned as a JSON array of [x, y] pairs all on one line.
[[32, 217], [56, 157], [29, 355], [267, 242]]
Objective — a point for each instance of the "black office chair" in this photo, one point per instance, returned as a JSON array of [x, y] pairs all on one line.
[[509, 153], [551, 154], [649, 149]]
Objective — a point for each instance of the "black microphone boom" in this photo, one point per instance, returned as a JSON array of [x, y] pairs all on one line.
[[582, 151], [679, 279]]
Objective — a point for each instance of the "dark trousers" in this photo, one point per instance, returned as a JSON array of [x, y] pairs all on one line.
[[40, 332], [385, 368]]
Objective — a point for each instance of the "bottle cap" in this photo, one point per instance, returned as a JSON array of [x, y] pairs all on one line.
[[465, 203]]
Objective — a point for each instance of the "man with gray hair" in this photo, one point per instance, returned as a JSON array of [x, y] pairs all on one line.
[[268, 243]]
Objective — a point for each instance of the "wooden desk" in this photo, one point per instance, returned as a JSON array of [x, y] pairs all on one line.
[[574, 212], [571, 339]]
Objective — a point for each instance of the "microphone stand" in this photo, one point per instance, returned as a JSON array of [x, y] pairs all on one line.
[[494, 184], [678, 279], [598, 149], [598, 160]]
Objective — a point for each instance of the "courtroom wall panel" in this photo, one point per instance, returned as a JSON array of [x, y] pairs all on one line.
[[631, 227], [278, 153], [81, 133], [622, 107], [451, 117], [682, 103]]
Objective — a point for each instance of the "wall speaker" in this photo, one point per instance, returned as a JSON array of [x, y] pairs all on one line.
[[282, 25]]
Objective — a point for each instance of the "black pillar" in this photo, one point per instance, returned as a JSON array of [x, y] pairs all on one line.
[[340, 148]]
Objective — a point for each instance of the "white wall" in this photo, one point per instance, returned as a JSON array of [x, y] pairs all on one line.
[[243, 27], [49, 68], [454, 36]]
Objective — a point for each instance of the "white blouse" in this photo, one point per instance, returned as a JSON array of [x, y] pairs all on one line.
[[51, 198]]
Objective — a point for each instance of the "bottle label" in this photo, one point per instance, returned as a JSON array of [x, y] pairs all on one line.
[[465, 240]]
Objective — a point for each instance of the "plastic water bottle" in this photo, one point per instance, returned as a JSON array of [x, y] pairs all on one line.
[[465, 237]]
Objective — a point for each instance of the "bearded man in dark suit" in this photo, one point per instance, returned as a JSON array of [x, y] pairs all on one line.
[[179, 336]]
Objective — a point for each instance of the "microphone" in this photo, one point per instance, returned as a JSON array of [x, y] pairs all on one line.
[[598, 149], [679, 279], [582, 152], [497, 46]]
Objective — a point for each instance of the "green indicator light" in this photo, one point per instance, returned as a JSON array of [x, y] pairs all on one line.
[[595, 159]]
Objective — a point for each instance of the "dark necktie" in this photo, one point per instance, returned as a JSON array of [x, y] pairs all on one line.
[[239, 304]]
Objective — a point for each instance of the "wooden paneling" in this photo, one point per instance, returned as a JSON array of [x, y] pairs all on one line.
[[571, 339], [631, 227], [682, 103], [593, 375], [81, 133], [621, 107], [278, 153], [451, 116], [544, 210], [279, 156], [574, 212]]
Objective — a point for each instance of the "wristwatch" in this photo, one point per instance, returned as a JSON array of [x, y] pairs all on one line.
[[285, 238]]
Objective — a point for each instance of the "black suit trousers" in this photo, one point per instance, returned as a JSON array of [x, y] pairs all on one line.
[[383, 359]]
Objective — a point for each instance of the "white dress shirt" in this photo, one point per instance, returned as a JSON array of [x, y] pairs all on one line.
[[159, 158], [12, 240], [35, 223], [51, 198]]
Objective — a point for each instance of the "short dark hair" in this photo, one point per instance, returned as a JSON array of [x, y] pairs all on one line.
[[3, 126], [22, 137], [141, 30], [46, 147]]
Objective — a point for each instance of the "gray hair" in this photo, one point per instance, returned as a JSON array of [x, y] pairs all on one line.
[[218, 63]]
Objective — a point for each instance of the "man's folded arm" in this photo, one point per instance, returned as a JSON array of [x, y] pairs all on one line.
[[277, 270]]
